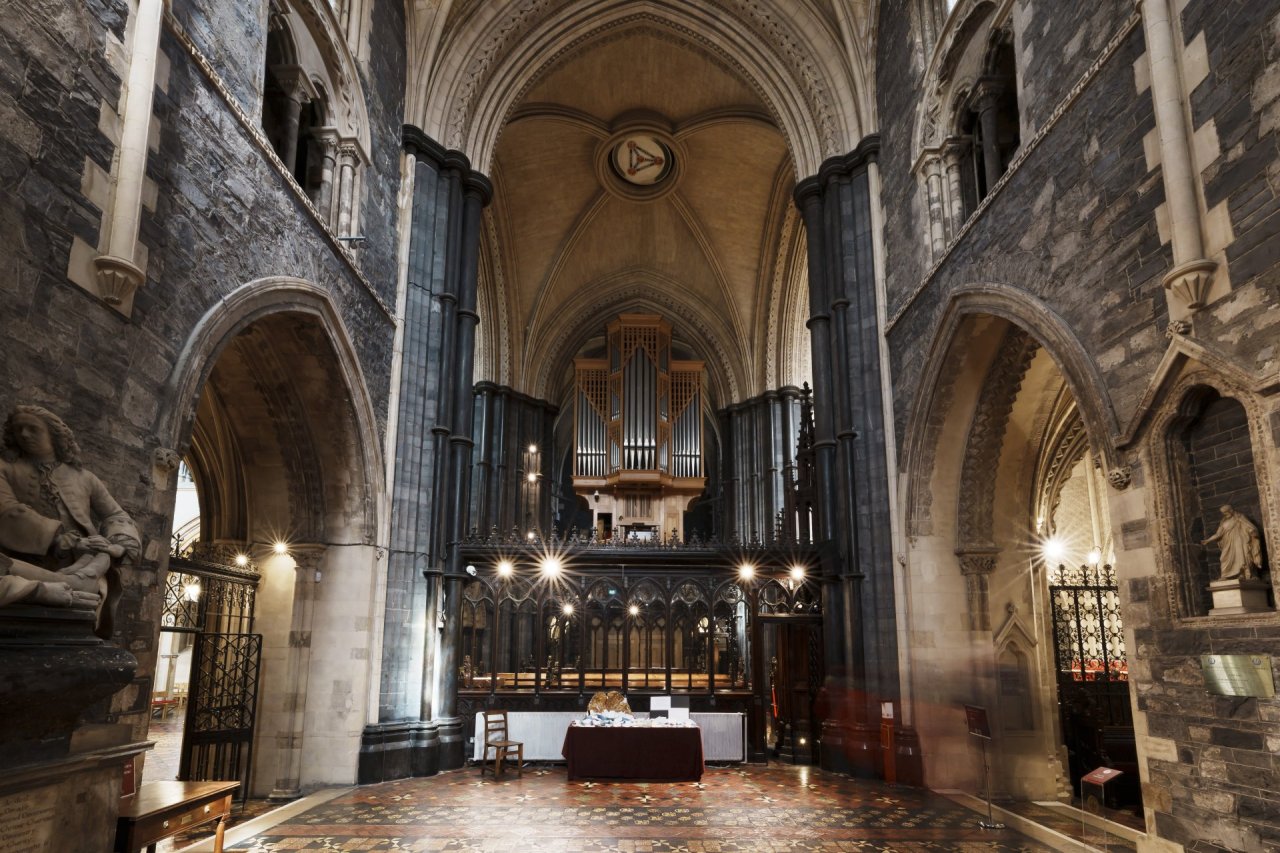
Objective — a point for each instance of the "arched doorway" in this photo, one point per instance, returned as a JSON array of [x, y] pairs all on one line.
[[271, 414], [1011, 565]]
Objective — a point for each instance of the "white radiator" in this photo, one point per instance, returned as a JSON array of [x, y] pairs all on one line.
[[724, 736]]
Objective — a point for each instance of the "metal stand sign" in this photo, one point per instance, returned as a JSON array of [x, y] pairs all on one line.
[[1100, 777], [980, 727]]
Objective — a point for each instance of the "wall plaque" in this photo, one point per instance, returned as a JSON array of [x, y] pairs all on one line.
[[1238, 675], [26, 820]]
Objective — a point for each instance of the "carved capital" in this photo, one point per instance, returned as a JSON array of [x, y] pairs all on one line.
[[977, 564], [1120, 477], [117, 278], [294, 82], [166, 459], [1177, 327], [1190, 282], [307, 557]]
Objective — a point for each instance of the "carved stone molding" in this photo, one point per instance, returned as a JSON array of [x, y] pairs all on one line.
[[1177, 327], [986, 434], [117, 278], [1190, 282]]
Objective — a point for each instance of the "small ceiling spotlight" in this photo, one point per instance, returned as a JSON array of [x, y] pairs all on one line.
[[471, 570], [533, 448], [531, 536], [242, 560], [505, 568], [567, 610], [532, 476], [746, 571], [797, 573], [1095, 556], [1054, 549], [280, 548], [551, 566], [633, 610]]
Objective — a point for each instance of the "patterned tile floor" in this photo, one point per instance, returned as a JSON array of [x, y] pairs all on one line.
[[733, 810]]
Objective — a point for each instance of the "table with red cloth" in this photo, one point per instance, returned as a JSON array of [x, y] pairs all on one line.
[[639, 753]]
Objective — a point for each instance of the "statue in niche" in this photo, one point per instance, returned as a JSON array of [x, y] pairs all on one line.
[[1241, 548], [58, 518]]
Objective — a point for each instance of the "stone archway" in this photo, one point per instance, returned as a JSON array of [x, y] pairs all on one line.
[[1000, 439], [269, 405]]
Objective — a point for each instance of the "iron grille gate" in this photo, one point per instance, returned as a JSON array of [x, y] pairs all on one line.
[[211, 592], [1093, 676]]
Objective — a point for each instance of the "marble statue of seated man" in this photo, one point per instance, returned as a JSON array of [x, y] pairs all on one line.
[[58, 517]]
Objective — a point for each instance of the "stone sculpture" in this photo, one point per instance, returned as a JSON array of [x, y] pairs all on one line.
[[59, 519], [1241, 548]]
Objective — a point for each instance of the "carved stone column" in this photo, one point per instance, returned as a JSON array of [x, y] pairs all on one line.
[[976, 565], [116, 272], [297, 91], [289, 739], [931, 166], [988, 101], [328, 140], [953, 154], [348, 159], [1189, 280]]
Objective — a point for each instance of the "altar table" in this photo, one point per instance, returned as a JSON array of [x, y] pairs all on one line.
[[639, 753]]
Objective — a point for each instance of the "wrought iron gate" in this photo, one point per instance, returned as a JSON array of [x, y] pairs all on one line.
[[211, 592], [1093, 676]]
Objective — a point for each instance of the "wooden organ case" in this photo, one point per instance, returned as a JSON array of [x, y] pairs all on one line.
[[638, 432]]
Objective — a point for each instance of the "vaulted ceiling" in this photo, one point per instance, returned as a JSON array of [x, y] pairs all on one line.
[[728, 102]]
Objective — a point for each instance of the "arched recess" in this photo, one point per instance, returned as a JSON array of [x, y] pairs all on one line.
[[936, 389], [267, 301], [268, 402], [1010, 417], [468, 73]]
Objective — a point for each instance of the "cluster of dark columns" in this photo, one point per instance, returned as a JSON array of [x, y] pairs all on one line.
[[853, 501], [419, 730]]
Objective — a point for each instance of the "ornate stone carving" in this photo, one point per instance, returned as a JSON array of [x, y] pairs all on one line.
[[1177, 327], [977, 566], [1190, 282], [166, 459], [1120, 477], [117, 279], [986, 435], [1240, 554]]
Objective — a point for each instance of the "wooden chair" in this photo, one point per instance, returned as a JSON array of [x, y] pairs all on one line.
[[495, 738]]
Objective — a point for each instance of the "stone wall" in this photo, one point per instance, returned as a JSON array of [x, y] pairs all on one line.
[[218, 216], [1077, 240]]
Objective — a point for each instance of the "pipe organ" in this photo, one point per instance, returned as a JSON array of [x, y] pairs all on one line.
[[638, 432]]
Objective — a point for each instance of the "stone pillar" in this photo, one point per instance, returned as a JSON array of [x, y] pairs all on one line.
[[297, 91], [988, 116], [116, 270], [932, 168], [977, 565], [953, 153], [849, 423], [348, 159], [289, 740], [435, 383], [1192, 274], [476, 193], [328, 138]]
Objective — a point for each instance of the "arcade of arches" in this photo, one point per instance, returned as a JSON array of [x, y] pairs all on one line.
[[859, 373]]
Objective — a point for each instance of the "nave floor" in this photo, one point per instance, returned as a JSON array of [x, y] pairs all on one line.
[[733, 810]]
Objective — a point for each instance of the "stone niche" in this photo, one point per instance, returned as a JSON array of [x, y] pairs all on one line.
[[1213, 466], [60, 778]]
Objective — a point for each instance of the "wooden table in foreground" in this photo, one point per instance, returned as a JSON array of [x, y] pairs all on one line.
[[162, 809], [634, 753]]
